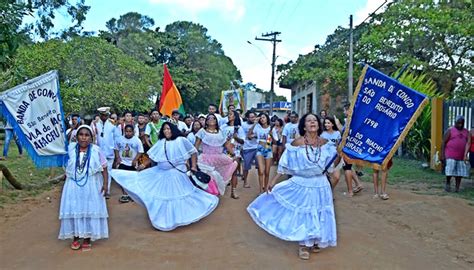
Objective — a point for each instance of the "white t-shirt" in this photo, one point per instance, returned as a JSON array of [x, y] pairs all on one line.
[[290, 131], [191, 137], [261, 133], [229, 132], [334, 137], [248, 144], [276, 136], [223, 121], [182, 126], [128, 149]]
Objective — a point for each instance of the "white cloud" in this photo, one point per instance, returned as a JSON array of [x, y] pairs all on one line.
[[369, 7], [230, 9]]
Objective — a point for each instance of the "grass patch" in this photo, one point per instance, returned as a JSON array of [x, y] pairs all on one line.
[[409, 173], [35, 181]]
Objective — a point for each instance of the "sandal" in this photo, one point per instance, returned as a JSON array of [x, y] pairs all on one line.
[[124, 199], [315, 249], [233, 194], [303, 253], [348, 195], [384, 196], [358, 189], [86, 246], [75, 245]]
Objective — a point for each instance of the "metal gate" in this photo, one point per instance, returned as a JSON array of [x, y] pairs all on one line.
[[453, 108]]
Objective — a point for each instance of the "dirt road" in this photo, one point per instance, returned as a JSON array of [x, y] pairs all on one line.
[[409, 231]]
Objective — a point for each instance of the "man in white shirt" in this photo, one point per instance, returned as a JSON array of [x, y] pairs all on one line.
[[106, 139], [290, 131], [175, 115]]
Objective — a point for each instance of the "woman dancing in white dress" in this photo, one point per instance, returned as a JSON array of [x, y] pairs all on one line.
[[165, 190], [301, 209]]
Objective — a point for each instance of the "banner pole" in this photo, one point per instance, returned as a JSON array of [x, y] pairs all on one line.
[[404, 68]]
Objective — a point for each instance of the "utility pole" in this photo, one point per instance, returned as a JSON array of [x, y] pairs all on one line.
[[351, 60], [274, 41]]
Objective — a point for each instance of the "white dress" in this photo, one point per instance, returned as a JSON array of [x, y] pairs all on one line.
[[167, 194], [300, 208], [83, 211]]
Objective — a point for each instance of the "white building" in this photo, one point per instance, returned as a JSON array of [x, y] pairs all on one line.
[[304, 97]]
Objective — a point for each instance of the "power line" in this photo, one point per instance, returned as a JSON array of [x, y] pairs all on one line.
[[260, 50], [268, 13], [279, 13]]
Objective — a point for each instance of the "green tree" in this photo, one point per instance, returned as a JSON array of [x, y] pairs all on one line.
[[93, 73], [425, 33], [132, 34], [197, 63], [11, 36]]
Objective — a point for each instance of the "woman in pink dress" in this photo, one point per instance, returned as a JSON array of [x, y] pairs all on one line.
[[213, 142]]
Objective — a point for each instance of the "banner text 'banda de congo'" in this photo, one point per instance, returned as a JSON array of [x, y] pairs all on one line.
[[381, 115], [34, 110]]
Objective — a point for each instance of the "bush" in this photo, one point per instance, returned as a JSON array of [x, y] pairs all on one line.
[[418, 140]]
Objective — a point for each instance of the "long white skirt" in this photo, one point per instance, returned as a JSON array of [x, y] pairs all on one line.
[[168, 195], [83, 211], [299, 209]]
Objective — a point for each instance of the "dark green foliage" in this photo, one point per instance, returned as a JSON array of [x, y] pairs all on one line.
[[423, 33], [417, 142]]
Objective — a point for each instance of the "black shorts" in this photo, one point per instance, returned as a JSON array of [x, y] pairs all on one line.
[[126, 167], [347, 167], [471, 159]]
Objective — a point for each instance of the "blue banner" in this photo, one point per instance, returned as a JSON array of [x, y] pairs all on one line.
[[381, 114]]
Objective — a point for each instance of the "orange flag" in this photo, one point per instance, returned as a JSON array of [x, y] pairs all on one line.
[[170, 97]]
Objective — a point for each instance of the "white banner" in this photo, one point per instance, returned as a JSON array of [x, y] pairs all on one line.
[[34, 110]]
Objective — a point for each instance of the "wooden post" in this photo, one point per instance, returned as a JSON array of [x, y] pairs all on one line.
[[1, 181], [436, 131]]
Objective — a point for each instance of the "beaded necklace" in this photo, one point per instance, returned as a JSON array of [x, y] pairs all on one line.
[[314, 151], [80, 165]]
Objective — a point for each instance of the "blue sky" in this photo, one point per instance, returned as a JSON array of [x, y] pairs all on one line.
[[303, 23]]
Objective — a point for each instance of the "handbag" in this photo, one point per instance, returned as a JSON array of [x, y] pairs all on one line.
[[198, 178]]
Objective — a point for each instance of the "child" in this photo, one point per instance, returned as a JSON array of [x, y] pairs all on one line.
[[83, 212], [128, 150]]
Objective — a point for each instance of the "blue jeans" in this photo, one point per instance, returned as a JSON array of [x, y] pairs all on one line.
[[9, 134]]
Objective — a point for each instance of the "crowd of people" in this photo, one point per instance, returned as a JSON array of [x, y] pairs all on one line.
[[178, 167]]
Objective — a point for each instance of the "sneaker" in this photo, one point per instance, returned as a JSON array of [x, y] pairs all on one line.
[[384, 196]]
